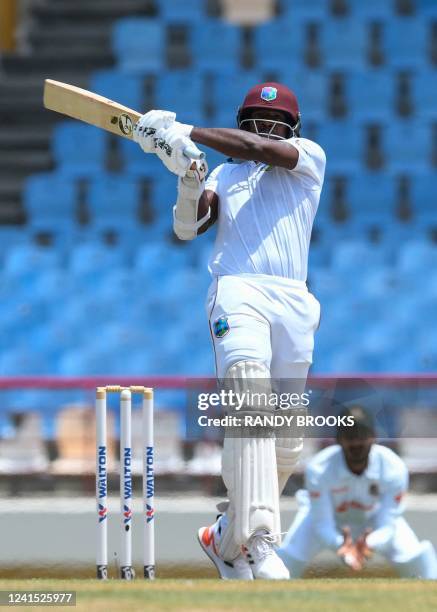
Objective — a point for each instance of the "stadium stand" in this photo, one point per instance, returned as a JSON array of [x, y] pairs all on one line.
[[106, 207], [211, 35], [189, 11], [139, 44]]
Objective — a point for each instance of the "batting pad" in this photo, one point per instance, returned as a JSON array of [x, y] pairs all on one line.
[[249, 468]]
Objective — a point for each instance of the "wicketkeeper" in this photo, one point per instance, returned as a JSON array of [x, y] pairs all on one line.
[[262, 316]]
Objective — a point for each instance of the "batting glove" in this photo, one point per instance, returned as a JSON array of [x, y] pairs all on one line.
[[175, 150], [146, 127]]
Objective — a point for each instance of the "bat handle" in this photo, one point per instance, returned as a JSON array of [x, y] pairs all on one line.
[[193, 152]]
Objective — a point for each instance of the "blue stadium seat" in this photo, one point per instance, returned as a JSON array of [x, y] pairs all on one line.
[[372, 197], [159, 259], [344, 44], [215, 44], [183, 92], [164, 195], [224, 117], [21, 361], [414, 157], [297, 10], [427, 351], [327, 340], [91, 259], [121, 337], [279, 45], [416, 256], [39, 400], [423, 190], [78, 149], [400, 55], [376, 357], [52, 285], [427, 8], [50, 202], [227, 98], [367, 308], [23, 260], [138, 163], [349, 256], [370, 95], [372, 9], [343, 142], [71, 318], [379, 283], [425, 94], [52, 339], [117, 281], [187, 12], [180, 288], [413, 313], [11, 235], [141, 361], [311, 89], [113, 201], [325, 283], [88, 361], [116, 85], [319, 255], [139, 44], [19, 315]]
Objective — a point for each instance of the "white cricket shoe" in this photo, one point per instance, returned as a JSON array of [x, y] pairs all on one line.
[[263, 559], [238, 569]]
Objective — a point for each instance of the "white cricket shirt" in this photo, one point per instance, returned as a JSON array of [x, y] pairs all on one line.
[[339, 497], [266, 214]]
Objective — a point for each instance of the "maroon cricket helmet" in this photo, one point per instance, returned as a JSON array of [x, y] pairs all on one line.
[[270, 95]]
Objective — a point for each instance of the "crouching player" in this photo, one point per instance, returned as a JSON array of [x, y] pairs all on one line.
[[353, 504]]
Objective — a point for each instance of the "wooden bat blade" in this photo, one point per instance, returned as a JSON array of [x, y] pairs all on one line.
[[89, 107]]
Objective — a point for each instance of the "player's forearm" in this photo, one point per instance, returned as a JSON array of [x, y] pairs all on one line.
[[230, 142], [330, 537], [379, 539], [240, 144]]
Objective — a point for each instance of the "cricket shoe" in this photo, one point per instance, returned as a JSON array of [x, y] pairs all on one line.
[[237, 569], [264, 561]]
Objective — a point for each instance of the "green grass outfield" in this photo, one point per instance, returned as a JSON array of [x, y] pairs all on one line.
[[326, 595]]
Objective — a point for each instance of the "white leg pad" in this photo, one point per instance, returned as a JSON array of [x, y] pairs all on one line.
[[288, 450], [249, 470]]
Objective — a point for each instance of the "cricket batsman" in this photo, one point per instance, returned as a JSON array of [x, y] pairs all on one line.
[[353, 504], [262, 316]]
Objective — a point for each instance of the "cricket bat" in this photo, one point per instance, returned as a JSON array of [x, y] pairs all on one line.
[[96, 110]]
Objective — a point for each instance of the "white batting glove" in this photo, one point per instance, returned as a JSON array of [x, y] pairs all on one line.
[[146, 127], [170, 146]]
